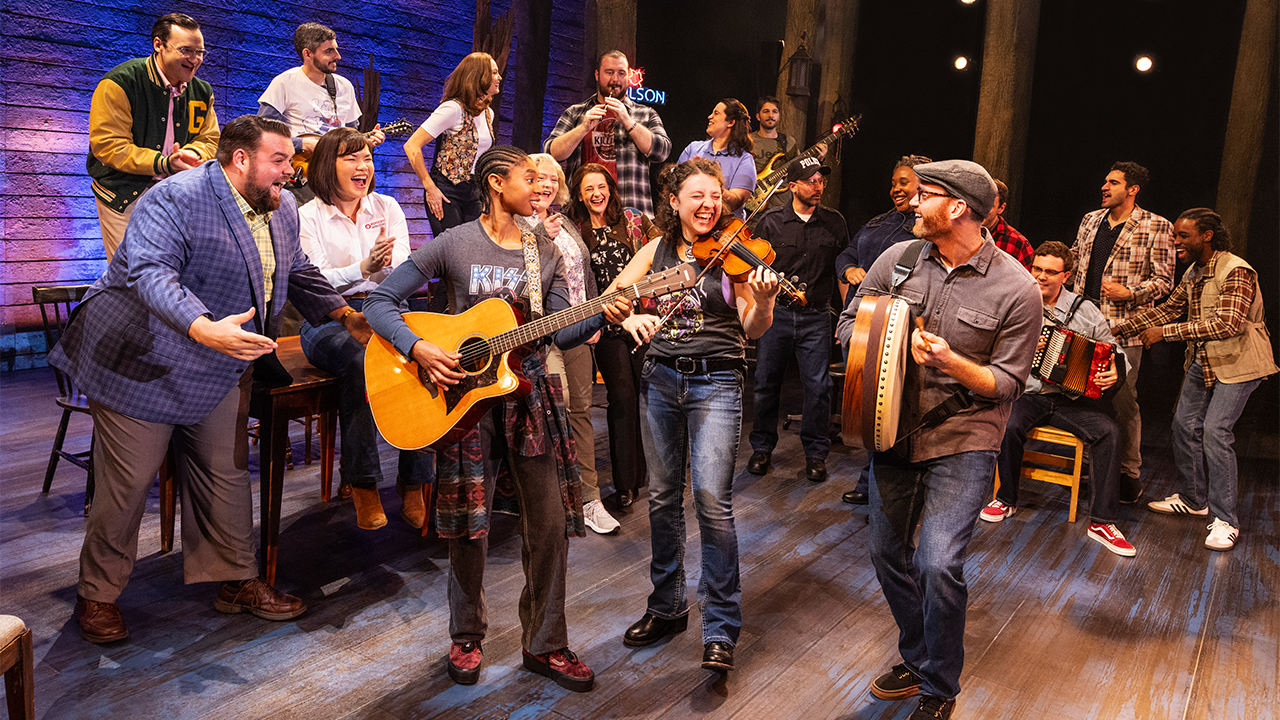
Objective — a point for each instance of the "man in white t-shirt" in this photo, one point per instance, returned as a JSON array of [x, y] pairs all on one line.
[[312, 98]]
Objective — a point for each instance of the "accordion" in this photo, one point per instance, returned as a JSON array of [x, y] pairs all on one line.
[[1071, 361]]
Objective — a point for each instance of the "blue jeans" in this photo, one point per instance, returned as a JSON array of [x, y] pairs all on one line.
[[1085, 418], [696, 416], [924, 581], [332, 349], [807, 334], [1203, 436]]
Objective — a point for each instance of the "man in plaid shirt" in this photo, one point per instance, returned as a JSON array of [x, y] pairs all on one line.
[[1007, 236], [1124, 263], [1228, 355], [608, 128]]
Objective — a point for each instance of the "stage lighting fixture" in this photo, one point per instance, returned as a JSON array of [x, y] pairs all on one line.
[[962, 62], [1143, 63]]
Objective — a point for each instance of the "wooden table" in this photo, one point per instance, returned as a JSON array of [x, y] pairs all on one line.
[[312, 392]]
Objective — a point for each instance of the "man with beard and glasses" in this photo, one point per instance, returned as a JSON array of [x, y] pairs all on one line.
[[980, 312], [149, 118], [610, 129], [807, 238], [163, 346], [313, 98]]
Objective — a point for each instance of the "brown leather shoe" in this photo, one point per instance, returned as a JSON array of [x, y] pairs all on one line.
[[369, 512], [100, 622], [344, 491], [413, 506], [259, 598]]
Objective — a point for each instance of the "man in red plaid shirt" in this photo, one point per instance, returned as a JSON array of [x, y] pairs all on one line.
[[1006, 236], [1124, 263]]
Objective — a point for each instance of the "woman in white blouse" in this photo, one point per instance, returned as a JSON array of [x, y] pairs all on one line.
[[573, 365], [464, 124], [355, 237]]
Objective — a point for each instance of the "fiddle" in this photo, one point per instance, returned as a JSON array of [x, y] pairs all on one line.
[[738, 252]]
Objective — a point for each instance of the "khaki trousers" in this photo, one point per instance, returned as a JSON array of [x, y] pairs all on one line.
[[113, 224], [211, 459], [575, 371]]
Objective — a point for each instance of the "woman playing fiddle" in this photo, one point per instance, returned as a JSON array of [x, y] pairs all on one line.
[[692, 386]]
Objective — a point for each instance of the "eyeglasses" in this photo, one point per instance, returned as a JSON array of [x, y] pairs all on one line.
[[816, 182], [1037, 271], [190, 52], [922, 195]]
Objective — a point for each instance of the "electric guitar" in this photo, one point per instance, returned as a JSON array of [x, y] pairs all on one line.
[[769, 176], [413, 412], [302, 159]]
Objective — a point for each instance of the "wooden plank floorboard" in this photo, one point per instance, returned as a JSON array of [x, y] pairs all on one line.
[[1057, 626]]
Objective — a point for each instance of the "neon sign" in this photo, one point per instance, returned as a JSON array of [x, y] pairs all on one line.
[[639, 93]]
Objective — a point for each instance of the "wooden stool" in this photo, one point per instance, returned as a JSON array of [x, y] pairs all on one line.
[[1068, 475], [18, 664]]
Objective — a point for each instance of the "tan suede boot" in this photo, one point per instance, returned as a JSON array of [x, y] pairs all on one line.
[[414, 506], [369, 513]]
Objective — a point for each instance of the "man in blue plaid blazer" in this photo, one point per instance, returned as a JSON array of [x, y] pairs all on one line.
[[161, 345]]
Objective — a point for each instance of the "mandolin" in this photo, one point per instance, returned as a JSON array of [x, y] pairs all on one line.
[[302, 159], [770, 175], [412, 412]]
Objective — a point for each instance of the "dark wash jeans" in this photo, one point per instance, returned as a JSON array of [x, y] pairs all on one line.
[[1086, 419], [332, 349], [923, 581], [806, 334]]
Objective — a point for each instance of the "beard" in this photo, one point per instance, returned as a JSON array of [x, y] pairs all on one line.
[[315, 63], [615, 91], [259, 195]]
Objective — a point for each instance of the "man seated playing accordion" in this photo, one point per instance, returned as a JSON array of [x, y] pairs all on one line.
[[1091, 420]]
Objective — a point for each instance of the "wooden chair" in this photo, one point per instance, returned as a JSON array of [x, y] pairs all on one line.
[[1060, 468], [56, 303], [18, 664]]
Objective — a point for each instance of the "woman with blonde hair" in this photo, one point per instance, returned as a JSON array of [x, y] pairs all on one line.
[[465, 121], [573, 365]]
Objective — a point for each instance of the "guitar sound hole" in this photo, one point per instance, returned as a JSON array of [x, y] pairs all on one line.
[[475, 355]]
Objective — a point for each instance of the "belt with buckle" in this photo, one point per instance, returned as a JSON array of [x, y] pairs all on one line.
[[690, 366]]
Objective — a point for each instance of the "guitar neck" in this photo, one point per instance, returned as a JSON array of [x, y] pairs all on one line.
[[529, 332], [776, 175]]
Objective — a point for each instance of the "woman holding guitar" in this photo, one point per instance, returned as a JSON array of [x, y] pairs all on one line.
[[465, 121], [355, 237], [692, 384], [613, 235], [527, 436]]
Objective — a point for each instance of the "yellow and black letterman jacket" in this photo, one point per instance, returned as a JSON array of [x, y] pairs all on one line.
[[127, 121]]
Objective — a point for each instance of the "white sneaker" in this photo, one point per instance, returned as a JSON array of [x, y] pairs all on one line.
[[599, 519], [995, 511], [1174, 505], [1221, 535]]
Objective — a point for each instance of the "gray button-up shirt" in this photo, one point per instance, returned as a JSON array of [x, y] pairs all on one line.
[[988, 310]]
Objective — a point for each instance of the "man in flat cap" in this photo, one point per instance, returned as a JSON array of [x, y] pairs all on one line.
[[981, 317], [807, 238]]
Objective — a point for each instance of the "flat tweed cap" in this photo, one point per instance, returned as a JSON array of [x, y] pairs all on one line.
[[966, 180]]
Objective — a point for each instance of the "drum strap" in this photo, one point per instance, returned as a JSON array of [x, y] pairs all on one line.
[[961, 399]]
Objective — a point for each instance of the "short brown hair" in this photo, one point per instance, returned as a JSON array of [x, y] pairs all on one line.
[[1053, 248], [165, 23], [245, 133], [577, 210], [322, 172], [469, 83], [310, 36]]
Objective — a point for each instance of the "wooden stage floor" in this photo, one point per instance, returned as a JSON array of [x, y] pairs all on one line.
[[1057, 626]]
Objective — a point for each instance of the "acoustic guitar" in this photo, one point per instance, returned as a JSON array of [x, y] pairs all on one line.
[[301, 160], [770, 175], [412, 412]]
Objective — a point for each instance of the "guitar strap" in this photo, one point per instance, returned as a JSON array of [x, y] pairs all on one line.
[[533, 272], [332, 86]]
